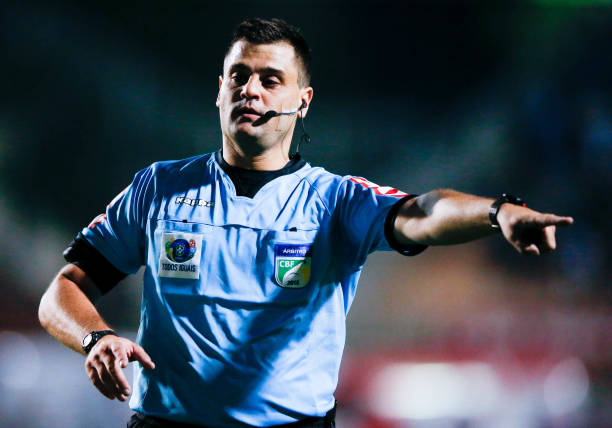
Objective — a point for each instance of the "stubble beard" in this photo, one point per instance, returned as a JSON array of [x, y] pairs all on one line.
[[251, 144], [259, 140]]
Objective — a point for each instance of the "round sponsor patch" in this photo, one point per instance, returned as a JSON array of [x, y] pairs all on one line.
[[180, 250]]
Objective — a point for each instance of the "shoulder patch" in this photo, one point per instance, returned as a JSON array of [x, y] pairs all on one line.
[[97, 220], [379, 190]]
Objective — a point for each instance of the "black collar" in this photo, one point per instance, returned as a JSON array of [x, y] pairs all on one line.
[[248, 181]]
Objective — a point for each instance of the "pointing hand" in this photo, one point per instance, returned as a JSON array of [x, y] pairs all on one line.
[[529, 231]]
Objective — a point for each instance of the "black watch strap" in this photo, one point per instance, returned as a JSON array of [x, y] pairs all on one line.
[[92, 338], [503, 199]]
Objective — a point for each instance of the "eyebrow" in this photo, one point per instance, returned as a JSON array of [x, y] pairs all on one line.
[[266, 70]]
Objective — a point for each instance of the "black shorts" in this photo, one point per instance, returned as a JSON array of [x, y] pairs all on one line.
[[138, 420]]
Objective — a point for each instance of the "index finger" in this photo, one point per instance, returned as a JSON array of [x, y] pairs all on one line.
[[553, 220], [140, 355]]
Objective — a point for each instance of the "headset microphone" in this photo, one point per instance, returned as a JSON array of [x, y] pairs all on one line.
[[273, 113]]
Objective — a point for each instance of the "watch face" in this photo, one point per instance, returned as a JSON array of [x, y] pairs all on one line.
[[87, 340]]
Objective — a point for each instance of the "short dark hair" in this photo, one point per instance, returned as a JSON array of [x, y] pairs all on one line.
[[259, 31]]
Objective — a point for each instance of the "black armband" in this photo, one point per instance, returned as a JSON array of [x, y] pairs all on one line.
[[84, 255], [405, 250]]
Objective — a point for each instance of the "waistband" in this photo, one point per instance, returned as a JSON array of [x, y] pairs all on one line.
[[327, 421]]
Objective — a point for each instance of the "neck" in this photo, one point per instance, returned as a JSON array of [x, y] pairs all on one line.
[[271, 159]]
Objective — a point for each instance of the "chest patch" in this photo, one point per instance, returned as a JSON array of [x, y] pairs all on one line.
[[180, 255], [292, 264]]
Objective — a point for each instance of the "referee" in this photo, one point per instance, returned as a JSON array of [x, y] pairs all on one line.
[[252, 258]]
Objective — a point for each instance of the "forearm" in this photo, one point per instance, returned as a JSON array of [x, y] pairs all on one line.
[[443, 217], [67, 312]]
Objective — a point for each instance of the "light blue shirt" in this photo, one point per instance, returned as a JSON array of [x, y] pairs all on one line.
[[244, 300]]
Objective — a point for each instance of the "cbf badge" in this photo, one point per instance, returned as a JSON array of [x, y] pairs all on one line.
[[292, 264], [180, 255]]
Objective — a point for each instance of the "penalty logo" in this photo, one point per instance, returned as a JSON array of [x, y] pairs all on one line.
[[292, 264]]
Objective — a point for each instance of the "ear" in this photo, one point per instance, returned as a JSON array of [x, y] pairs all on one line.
[[306, 99], [219, 93]]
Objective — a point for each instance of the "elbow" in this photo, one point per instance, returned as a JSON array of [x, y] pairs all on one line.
[[419, 219], [49, 302], [429, 201], [44, 307], [42, 316]]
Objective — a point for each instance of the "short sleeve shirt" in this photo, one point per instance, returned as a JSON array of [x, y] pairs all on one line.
[[244, 299]]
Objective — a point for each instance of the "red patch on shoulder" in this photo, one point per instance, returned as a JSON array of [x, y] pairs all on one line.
[[379, 190], [96, 221]]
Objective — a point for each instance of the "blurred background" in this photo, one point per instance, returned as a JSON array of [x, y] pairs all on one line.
[[483, 97]]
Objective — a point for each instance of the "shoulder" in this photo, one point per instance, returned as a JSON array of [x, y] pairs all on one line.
[[161, 177], [328, 183], [179, 172], [329, 187], [321, 181], [334, 188], [319, 178], [180, 167]]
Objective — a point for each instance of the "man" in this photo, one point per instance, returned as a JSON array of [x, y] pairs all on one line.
[[252, 258]]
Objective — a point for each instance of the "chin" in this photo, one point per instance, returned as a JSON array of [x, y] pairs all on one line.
[[250, 143], [246, 136]]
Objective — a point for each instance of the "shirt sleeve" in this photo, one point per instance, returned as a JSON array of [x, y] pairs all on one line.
[[120, 233], [366, 214]]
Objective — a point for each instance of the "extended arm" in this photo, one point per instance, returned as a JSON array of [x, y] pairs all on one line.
[[67, 312], [444, 217]]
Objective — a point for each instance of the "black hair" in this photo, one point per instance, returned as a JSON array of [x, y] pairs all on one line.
[[259, 31]]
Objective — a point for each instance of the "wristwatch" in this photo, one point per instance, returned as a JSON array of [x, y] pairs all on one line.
[[503, 199], [92, 338]]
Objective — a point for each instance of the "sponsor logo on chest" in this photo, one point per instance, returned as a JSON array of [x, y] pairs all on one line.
[[180, 255], [292, 264], [193, 202]]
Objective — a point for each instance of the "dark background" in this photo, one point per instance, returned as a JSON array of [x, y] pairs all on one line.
[[476, 97]]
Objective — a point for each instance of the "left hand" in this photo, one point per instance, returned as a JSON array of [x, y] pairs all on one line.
[[529, 231]]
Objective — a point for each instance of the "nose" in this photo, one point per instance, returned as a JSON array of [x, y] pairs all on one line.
[[251, 88]]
